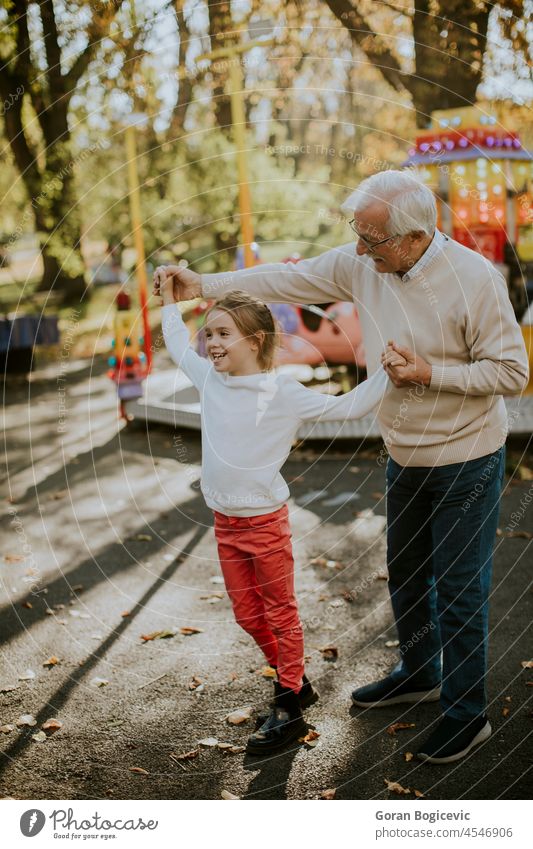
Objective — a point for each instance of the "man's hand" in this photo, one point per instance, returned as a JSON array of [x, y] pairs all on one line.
[[416, 369], [184, 283]]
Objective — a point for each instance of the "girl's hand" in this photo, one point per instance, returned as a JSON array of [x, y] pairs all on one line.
[[183, 284], [163, 287]]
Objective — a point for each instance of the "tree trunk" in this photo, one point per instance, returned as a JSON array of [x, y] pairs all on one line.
[[448, 55]]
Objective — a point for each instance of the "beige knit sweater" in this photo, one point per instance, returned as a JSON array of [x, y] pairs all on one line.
[[455, 313]]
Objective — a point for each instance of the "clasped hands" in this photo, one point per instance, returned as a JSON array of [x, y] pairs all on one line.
[[404, 367]]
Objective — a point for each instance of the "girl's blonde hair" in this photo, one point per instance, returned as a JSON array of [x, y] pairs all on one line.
[[253, 319]]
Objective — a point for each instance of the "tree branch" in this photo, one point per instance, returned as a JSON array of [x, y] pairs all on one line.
[[369, 42], [103, 16]]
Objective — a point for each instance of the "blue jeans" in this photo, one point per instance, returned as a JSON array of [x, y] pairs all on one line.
[[441, 525]]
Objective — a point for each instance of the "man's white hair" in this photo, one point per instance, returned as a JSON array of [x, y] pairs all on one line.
[[411, 205]]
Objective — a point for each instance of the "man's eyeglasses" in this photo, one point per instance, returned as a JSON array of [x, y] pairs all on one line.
[[368, 245]]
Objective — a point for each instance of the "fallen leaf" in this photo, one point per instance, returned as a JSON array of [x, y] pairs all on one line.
[[235, 750], [157, 635], [40, 737], [27, 604], [14, 558], [391, 644], [311, 738], [59, 494], [208, 742], [408, 756], [508, 698], [506, 711], [6, 729], [52, 725], [394, 787], [189, 631], [399, 726], [419, 794], [268, 672], [186, 756], [227, 795], [125, 613], [237, 717], [139, 770], [224, 746], [519, 535], [527, 664], [143, 537], [29, 675], [528, 684], [52, 661], [99, 682], [329, 652], [328, 794], [26, 719], [194, 683]]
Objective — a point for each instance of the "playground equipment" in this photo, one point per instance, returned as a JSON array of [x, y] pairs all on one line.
[[128, 363], [482, 178]]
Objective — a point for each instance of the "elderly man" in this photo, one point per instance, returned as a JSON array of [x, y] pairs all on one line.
[[446, 310]]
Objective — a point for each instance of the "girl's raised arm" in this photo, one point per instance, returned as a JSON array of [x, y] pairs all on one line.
[[178, 345]]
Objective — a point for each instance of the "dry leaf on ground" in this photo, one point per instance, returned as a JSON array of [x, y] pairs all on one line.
[[527, 664], [237, 717], [419, 794], [399, 726], [194, 683], [139, 770], [52, 725], [395, 787], [40, 737], [329, 652], [6, 729], [208, 742], [29, 675], [267, 672], [26, 719], [189, 631], [408, 756], [52, 661], [328, 794], [157, 635], [185, 756], [311, 738]]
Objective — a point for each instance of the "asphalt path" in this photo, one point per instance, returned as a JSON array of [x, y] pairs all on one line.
[[106, 540]]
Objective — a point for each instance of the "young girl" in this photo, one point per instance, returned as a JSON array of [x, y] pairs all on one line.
[[250, 416]]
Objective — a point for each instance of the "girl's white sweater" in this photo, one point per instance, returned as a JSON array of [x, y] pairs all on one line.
[[249, 423]]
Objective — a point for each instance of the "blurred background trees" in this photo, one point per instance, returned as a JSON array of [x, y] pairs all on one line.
[[339, 96]]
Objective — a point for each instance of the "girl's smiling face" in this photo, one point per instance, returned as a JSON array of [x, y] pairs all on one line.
[[227, 348]]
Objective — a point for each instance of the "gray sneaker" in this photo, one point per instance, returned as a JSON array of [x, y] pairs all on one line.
[[389, 692]]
